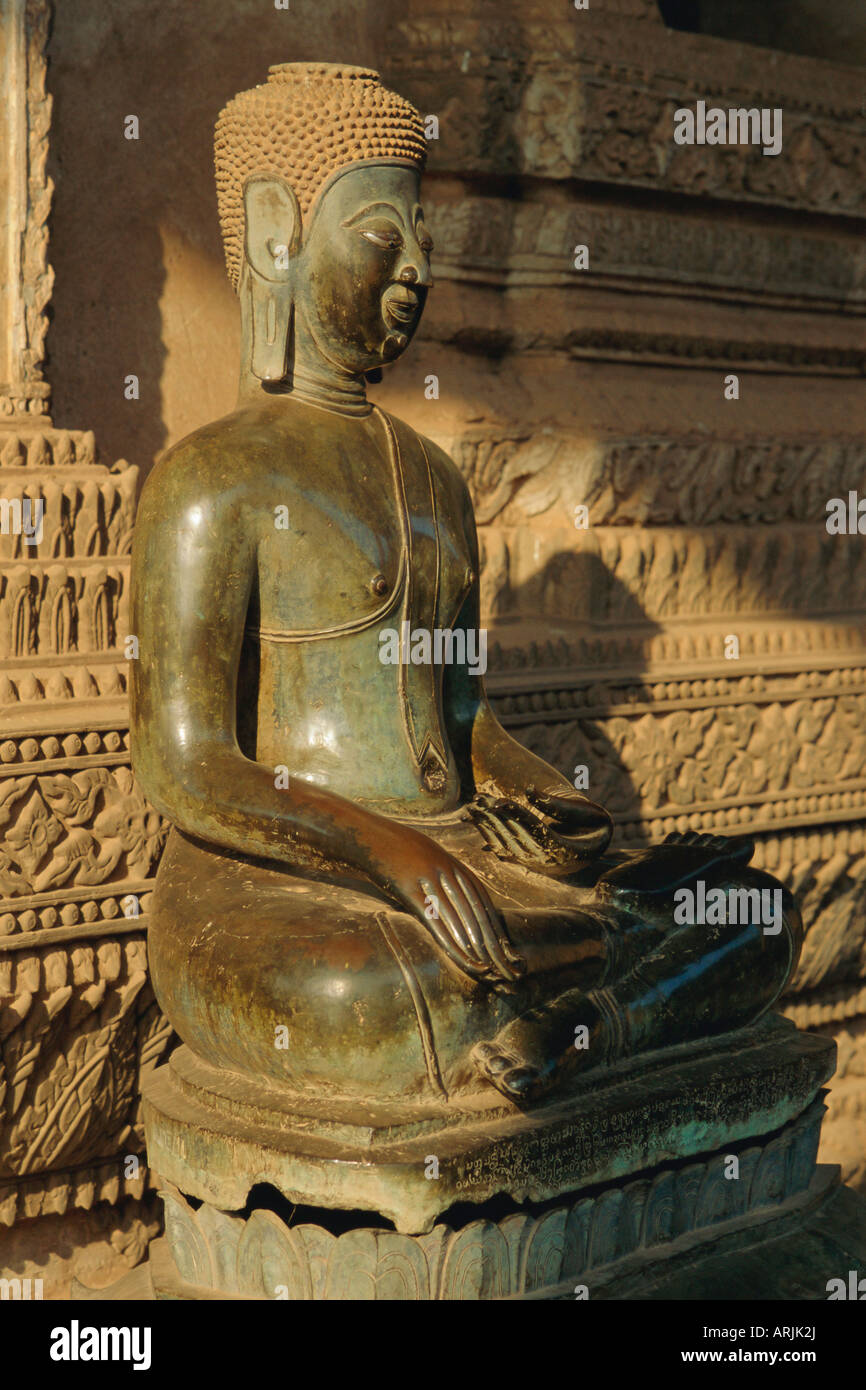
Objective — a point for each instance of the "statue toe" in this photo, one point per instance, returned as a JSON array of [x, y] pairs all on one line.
[[510, 1073], [680, 859]]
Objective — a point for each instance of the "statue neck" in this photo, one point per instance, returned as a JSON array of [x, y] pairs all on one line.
[[310, 376], [318, 382]]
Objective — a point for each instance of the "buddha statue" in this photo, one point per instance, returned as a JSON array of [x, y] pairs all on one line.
[[362, 863]]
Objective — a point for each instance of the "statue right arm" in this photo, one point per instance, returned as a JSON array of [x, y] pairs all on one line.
[[194, 562], [193, 568]]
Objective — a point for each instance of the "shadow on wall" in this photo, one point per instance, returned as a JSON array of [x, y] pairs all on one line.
[[589, 605], [591, 588], [831, 29]]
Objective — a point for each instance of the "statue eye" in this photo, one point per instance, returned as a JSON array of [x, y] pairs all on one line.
[[383, 234], [425, 241]]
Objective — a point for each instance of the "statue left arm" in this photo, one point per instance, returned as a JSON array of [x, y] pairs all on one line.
[[494, 766]]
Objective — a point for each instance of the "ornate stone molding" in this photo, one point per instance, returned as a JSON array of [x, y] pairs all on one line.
[[75, 821], [672, 660], [592, 96], [63, 598], [26, 191], [597, 322], [716, 767], [53, 1194], [79, 830], [514, 244], [78, 1023], [843, 1002]]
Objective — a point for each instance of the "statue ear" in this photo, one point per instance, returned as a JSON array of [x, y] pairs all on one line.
[[272, 234], [272, 225]]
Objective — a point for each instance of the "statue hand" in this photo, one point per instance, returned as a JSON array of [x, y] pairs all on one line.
[[564, 831], [450, 903], [586, 824]]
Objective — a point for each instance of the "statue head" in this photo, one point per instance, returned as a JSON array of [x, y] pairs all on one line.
[[318, 174]]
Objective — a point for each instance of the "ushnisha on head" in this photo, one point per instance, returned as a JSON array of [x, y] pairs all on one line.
[[318, 173]]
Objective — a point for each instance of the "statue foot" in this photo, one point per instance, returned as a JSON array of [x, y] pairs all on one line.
[[506, 1070], [532, 1054], [681, 858]]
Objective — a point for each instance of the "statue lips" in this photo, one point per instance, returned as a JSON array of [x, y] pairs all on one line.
[[400, 305]]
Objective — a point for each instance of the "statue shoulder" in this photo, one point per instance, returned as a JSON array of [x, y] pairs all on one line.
[[219, 466], [448, 478]]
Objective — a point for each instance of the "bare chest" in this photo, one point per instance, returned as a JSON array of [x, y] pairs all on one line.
[[360, 541]]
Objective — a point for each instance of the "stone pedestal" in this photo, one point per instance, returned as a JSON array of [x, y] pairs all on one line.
[[267, 1194]]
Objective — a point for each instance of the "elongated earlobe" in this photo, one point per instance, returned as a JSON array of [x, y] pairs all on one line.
[[271, 239], [270, 308]]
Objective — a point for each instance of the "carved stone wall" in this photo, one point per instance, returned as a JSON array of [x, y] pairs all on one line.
[[78, 842]]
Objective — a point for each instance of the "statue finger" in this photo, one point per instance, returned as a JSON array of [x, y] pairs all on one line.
[[476, 923], [508, 841], [448, 913], [509, 961], [540, 799], [468, 920], [525, 838], [474, 969], [582, 815], [455, 898], [489, 827]]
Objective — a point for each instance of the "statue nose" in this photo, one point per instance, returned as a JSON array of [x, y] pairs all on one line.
[[410, 275]]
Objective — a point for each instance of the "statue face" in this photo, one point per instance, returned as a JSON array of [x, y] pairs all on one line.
[[365, 267]]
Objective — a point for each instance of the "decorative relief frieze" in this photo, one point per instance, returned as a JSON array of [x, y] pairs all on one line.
[[677, 661], [85, 828], [55, 610], [534, 322], [84, 1187], [64, 750], [43, 919], [56, 598], [36, 445], [78, 1028], [712, 349], [629, 137], [830, 1007], [87, 509], [658, 481], [549, 682], [629, 575], [22, 686], [799, 757]]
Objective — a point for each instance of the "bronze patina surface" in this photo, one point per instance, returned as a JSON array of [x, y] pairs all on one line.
[[371, 890]]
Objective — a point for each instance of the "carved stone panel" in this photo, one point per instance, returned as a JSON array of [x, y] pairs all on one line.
[[78, 843]]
